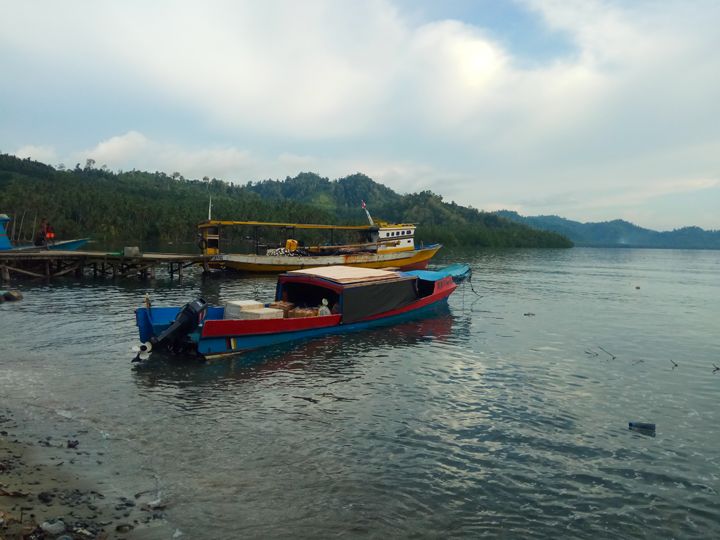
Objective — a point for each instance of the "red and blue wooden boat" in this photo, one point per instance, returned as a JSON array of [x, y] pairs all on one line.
[[356, 298]]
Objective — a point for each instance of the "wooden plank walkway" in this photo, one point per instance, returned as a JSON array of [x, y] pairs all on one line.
[[48, 264]]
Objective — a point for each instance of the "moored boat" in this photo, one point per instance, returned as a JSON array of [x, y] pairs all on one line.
[[7, 245], [376, 245], [308, 303]]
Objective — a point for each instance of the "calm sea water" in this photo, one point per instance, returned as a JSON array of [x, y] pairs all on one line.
[[506, 415]]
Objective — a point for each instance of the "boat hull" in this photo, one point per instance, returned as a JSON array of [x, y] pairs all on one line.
[[215, 347], [220, 337], [62, 245], [404, 260]]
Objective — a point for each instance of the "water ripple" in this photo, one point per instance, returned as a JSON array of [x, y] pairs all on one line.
[[480, 421]]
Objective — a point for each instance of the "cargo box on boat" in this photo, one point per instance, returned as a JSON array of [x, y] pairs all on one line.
[[234, 308]]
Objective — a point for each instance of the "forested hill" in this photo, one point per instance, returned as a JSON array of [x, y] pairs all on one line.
[[620, 233], [146, 207], [439, 221]]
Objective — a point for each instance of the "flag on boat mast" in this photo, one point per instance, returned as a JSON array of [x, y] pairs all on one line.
[[370, 219], [210, 209]]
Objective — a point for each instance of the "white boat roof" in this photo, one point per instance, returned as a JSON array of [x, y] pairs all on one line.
[[347, 274]]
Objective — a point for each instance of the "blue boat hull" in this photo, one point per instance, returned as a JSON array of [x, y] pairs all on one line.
[[69, 245], [63, 245]]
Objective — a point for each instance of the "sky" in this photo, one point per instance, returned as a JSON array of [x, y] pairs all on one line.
[[592, 110]]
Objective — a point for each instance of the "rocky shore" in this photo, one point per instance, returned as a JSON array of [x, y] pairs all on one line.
[[61, 488]]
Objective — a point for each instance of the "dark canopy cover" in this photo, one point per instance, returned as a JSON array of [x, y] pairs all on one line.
[[366, 300]]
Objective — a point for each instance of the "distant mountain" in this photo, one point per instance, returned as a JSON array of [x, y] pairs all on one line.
[[619, 233]]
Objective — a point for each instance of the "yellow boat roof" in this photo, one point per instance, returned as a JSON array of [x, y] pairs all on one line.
[[222, 222]]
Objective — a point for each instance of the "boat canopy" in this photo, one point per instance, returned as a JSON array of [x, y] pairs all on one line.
[[359, 292], [346, 274]]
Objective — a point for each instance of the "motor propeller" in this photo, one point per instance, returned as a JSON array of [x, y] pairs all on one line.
[[142, 351]]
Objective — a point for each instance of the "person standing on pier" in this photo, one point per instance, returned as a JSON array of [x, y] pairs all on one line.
[[46, 234], [42, 232], [49, 236]]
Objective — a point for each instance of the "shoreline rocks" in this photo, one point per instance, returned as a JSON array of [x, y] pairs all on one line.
[[46, 491]]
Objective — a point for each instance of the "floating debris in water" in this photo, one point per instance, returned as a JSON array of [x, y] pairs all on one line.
[[311, 400], [613, 357], [644, 428], [10, 296], [716, 369], [674, 363]]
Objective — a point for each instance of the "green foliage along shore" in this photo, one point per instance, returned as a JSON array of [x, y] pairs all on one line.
[[150, 208]]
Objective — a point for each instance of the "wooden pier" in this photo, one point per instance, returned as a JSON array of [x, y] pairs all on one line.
[[48, 264]]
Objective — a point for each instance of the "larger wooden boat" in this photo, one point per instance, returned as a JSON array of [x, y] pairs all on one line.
[[308, 303], [377, 245]]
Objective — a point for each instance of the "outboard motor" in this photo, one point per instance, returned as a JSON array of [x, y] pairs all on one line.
[[185, 322]]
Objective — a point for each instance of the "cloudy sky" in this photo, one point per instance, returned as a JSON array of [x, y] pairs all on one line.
[[592, 110]]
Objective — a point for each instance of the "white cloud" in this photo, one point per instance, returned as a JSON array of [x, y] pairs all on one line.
[[46, 154], [134, 150], [272, 88]]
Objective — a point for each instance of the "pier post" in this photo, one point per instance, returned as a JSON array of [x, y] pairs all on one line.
[[5, 273]]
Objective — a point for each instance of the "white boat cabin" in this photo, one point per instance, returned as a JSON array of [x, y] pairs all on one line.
[[396, 237]]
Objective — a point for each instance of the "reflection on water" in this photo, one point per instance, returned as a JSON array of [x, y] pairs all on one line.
[[332, 355], [501, 416]]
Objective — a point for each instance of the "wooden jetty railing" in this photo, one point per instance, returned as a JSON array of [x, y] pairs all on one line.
[[51, 264]]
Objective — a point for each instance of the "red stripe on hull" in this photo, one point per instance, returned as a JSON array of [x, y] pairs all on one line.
[[234, 327]]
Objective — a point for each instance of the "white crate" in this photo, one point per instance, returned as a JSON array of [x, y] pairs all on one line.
[[235, 308], [262, 313]]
